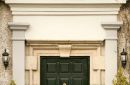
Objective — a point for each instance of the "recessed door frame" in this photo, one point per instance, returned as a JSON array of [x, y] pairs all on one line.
[[79, 48]]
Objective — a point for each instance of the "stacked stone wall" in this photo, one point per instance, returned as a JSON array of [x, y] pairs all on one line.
[[5, 43], [124, 34]]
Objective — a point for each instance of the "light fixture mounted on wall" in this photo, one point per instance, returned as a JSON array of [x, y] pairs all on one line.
[[124, 58], [5, 59]]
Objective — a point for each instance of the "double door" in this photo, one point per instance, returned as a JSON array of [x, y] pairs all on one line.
[[64, 71]]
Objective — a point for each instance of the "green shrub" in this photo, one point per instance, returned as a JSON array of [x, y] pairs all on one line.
[[12, 82], [120, 79]]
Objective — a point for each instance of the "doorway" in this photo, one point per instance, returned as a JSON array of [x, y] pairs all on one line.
[[64, 71]]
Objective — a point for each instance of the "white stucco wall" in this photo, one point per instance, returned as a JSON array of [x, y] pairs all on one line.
[[65, 27]]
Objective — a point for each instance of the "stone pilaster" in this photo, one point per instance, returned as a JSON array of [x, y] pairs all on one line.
[[18, 40], [110, 51]]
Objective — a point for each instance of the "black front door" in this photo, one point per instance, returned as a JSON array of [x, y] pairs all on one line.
[[64, 71]]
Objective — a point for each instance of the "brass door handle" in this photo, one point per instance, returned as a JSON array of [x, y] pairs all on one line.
[[64, 83]]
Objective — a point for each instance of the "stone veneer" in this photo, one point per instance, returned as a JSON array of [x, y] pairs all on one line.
[[124, 34], [5, 42]]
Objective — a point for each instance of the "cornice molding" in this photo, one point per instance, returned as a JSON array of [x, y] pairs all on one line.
[[18, 26], [53, 44], [18, 30], [111, 29], [41, 42], [67, 1], [112, 25], [57, 8]]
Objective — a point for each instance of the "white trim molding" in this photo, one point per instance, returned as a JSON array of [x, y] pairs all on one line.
[[111, 29], [111, 50], [66, 1], [18, 41], [64, 8], [112, 25], [18, 30]]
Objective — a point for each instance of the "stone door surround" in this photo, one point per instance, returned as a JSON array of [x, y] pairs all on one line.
[[110, 54]]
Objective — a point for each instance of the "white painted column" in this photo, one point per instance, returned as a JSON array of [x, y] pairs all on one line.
[[18, 41], [110, 51]]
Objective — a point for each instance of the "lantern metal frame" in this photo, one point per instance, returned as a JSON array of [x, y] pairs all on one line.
[[123, 58], [5, 59]]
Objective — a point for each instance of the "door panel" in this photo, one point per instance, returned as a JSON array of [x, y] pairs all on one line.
[[77, 67], [64, 67], [77, 81], [64, 71], [51, 81], [51, 68]]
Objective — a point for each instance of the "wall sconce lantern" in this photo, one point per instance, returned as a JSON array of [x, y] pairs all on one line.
[[123, 58], [5, 59]]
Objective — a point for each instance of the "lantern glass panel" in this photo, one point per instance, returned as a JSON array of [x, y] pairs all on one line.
[[123, 57], [6, 58]]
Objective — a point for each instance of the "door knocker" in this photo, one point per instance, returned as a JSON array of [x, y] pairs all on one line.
[[64, 83]]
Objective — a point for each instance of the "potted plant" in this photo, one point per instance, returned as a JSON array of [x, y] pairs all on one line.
[[120, 79]]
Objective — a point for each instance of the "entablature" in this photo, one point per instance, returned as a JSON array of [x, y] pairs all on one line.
[[46, 7]]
